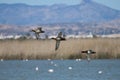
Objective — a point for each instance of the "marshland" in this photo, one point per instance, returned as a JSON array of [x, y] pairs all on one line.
[[105, 48]]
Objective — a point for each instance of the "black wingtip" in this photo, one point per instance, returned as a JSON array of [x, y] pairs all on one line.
[[42, 31], [83, 51]]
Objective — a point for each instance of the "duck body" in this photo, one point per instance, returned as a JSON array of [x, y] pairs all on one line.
[[37, 32], [88, 53], [58, 39]]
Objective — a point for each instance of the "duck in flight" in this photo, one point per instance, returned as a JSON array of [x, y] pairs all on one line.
[[88, 53], [37, 32], [59, 38]]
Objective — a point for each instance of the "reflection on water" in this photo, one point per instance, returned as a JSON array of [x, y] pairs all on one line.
[[60, 70]]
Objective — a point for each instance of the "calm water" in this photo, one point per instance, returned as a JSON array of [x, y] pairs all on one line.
[[62, 70]]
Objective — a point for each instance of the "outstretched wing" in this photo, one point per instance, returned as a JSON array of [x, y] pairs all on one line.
[[32, 30], [57, 45], [59, 34]]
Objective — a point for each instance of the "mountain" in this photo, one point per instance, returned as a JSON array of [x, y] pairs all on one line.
[[87, 11], [103, 28]]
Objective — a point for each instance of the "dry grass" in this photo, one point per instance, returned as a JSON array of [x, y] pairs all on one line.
[[70, 49]]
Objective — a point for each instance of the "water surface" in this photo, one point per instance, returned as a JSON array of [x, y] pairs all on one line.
[[62, 70]]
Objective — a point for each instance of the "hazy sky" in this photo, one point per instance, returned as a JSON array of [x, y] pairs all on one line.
[[111, 3]]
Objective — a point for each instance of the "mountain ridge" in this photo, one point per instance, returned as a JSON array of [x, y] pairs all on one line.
[[104, 28], [86, 11]]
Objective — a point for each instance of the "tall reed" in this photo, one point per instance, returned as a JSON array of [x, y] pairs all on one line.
[[69, 49]]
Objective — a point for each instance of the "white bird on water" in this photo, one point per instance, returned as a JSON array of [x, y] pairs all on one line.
[[49, 59], [100, 72], [50, 70], [26, 59], [1, 60], [36, 68], [78, 59], [69, 68]]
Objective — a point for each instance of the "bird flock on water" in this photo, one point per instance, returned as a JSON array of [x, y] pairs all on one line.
[[60, 37]]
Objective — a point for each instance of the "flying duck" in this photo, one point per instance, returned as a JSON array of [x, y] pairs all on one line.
[[88, 53], [37, 31], [59, 38]]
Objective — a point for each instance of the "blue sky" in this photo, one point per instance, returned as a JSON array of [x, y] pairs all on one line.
[[111, 3]]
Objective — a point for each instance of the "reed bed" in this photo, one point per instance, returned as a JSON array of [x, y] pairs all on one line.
[[70, 49]]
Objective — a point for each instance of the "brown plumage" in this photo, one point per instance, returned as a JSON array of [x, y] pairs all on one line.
[[37, 32], [88, 53], [59, 38]]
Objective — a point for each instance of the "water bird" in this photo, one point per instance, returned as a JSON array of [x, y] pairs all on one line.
[[100, 72], [50, 70], [69, 68], [1, 60], [49, 59], [59, 38], [88, 52], [78, 59], [26, 59], [36, 68], [37, 32]]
